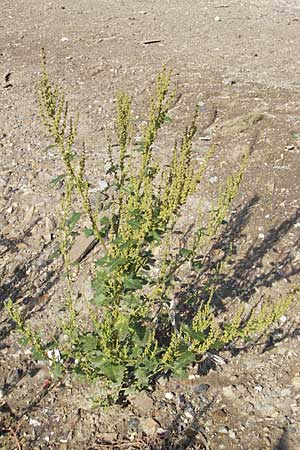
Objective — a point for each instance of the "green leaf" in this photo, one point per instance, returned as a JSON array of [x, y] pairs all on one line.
[[197, 264], [131, 300], [132, 283], [88, 343], [217, 345], [113, 372], [180, 373], [49, 147], [150, 365], [139, 146], [127, 244], [55, 254], [167, 119], [155, 235], [114, 263], [141, 376], [102, 261], [88, 232], [37, 355], [57, 371], [184, 360], [23, 340], [100, 299], [73, 220], [135, 223], [57, 180], [185, 252], [122, 327], [105, 220], [197, 335], [111, 263]]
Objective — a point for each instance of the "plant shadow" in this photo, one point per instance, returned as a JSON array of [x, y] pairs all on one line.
[[29, 282], [239, 276]]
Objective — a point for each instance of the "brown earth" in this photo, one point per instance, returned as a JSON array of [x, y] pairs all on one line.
[[238, 62]]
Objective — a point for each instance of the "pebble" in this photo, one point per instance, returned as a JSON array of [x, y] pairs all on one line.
[[162, 381], [163, 433], [143, 402], [229, 392], [133, 423], [169, 395], [34, 422], [201, 388], [150, 426], [296, 382], [232, 434], [81, 247], [213, 180], [189, 414]]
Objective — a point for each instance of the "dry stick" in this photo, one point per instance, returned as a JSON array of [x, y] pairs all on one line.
[[14, 434]]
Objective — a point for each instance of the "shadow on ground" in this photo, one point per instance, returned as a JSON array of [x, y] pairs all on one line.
[[30, 280]]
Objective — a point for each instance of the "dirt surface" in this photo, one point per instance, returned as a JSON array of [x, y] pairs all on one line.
[[239, 63]]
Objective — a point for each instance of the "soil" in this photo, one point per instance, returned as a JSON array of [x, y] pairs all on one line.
[[239, 63]]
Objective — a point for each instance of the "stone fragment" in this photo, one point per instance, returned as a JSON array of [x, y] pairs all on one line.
[[229, 392], [169, 395], [232, 434], [201, 388], [143, 402], [150, 426], [133, 423], [81, 247], [296, 382]]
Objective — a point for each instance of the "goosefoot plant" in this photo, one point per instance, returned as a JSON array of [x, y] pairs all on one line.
[[136, 332]]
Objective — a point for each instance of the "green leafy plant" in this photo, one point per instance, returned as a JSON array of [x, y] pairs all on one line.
[[135, 331]]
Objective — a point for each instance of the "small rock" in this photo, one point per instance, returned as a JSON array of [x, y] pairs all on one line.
[[169, 395], [150, 426], [232, 434], [223, 430], [218, 19], [28, 216], [163, 433], [34, 422], [189, 414], [162, 381], [133, 423], [143, 402], [81, 247], [296, 382], [213, 180], [229, 392], [109, 437], [86, 289], [201, 388], [286, 392]]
